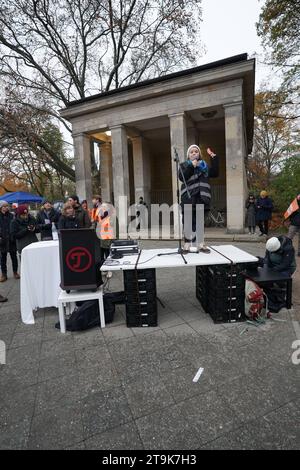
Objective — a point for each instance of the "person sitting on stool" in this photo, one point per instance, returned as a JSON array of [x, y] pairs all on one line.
[[280, 255]]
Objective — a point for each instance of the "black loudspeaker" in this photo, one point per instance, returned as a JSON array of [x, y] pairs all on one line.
[[80, 259]]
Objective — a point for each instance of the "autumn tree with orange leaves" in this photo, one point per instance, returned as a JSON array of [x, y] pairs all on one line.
[[275, 138]]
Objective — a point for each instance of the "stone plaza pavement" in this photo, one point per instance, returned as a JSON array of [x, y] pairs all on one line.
[[124, 388]]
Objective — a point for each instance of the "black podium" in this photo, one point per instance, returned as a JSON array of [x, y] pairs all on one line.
[[80, 259]]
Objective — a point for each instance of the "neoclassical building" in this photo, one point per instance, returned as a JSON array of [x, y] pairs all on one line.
[[139, 126]]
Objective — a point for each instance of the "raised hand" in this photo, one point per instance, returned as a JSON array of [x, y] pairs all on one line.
[[210, 152]]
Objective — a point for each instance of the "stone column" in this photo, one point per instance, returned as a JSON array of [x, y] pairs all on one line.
[[192, 136], [235, 167], [141, 168], [178, 136], [120, 176], [83, 172], [106, 171]]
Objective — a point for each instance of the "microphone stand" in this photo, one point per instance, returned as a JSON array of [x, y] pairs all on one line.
[[180, 251]]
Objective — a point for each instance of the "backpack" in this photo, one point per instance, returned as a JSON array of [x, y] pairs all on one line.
[[254, 300], [86, 315]]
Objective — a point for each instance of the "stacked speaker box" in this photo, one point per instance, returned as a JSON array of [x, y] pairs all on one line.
[[221, 291], [140, 294], [201, 286]]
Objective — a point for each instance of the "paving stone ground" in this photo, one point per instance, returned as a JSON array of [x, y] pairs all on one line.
[[132, 388]]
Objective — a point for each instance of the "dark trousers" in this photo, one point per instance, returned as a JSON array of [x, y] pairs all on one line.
[[14, 261], [264, 226], [104, 253], [193, 230]]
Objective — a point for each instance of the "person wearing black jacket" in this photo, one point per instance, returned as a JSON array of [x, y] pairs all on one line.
[[68, 218], [7, 245], [82, 215], [45, 217], [280, 255], [264, 208], [23, 228], [196, 173], [250, 216]]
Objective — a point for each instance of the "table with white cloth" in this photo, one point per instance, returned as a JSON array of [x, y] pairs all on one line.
[[40, 278], [169, 258], [149, 260]]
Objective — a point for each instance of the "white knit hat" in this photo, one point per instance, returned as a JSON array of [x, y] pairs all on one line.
[[190, 148], [3, 203], [273, 244]]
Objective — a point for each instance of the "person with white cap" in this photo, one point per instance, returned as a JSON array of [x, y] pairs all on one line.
[[195, 192], [280, 255]]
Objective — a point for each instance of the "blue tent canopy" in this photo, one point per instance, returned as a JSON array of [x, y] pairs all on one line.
[[21, 197]]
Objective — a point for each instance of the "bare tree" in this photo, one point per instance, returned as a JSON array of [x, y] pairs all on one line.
[[24, 167], [32, 150], [20, 131], [68, 49], [56, 51]]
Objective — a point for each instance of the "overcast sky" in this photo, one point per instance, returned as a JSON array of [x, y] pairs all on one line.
[[228, 28]]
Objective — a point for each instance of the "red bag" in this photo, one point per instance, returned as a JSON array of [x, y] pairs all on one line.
[[254, 300]]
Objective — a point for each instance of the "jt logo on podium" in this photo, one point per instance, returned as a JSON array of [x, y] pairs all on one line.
[[79, 259]]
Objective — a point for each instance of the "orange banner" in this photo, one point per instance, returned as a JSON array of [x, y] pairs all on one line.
[[293, 207]]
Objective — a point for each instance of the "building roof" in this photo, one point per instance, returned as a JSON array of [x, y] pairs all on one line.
[[100, 110], [182, 73]]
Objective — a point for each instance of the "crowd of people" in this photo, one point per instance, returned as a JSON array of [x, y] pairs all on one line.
[[259, 212], [280, 253], [19, 228]]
